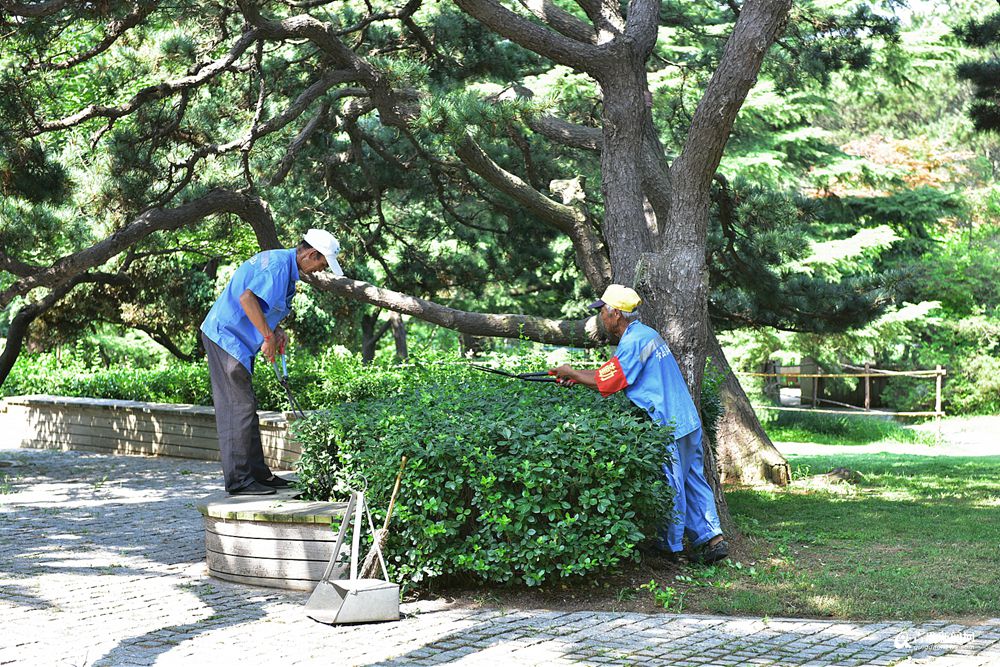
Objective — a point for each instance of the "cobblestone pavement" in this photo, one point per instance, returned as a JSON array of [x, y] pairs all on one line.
[[102, 563]]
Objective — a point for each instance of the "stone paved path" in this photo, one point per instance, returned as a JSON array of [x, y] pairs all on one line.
[[102, 563]]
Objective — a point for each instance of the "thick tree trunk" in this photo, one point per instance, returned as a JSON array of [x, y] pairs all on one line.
[[675, 275], [713, 475], [625, 117], [746, 455]]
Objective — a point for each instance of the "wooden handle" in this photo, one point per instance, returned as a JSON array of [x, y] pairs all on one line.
[[395, 491]]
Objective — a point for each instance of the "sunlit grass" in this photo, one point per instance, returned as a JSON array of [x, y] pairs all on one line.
[[917, 538], [827, 429]]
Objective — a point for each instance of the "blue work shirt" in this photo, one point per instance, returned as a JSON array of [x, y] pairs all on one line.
[[646, 369], [271, 275]]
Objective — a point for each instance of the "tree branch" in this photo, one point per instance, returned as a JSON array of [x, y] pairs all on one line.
[[166, 342], [250, 208], [394, 109], [16, 266], [641, 25], [561, 20], [301, 103], [150, 93], [34, 10], [296, 145], [568, 219], [578, 333], [114, 30], [567, 133], [756, 29], [606, 16], [532, 36]]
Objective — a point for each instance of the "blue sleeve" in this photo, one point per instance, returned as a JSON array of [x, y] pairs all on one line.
[[629, 359], [269, 287]]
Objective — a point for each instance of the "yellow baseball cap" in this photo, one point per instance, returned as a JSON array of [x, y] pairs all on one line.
[[619, 297]]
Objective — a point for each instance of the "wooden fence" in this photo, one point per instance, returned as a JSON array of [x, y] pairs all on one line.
[[867, 373]]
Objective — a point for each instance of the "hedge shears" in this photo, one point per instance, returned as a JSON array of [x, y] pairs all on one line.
[[542, 376], [280, 366]]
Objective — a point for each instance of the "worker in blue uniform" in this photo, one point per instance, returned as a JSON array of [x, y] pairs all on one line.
[[244, 320], [646, 370]]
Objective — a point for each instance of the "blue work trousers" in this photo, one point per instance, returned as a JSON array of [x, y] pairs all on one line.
[[695, 514]]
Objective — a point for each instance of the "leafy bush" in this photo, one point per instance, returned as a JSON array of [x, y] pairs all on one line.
[[45, 374], [316, 382], [506, 482]]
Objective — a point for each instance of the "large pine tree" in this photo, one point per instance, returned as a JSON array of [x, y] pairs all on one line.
[[454, 147]]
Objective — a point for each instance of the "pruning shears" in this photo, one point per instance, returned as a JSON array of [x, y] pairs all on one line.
[[543, 376], [280, 366]]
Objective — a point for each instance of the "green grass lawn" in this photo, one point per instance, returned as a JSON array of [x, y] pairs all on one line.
[[828, 429], [917, 538]]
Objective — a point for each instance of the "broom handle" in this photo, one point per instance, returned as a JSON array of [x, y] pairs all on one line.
[[395, 490]]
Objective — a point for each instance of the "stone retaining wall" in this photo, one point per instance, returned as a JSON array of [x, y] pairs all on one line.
[[112, 426]]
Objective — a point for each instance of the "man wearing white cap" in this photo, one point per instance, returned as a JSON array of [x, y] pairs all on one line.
[[244, 320], [646, 370]]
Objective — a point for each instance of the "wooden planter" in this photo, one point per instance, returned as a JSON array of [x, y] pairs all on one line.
[[275, 541]]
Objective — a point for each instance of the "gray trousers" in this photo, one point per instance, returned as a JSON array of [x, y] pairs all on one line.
[[235, 418]]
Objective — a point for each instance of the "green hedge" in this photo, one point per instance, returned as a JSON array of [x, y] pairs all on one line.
[[44, 374], [316, 382], [506, 481]]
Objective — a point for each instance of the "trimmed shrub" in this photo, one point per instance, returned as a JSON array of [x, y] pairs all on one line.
[[315, 382], [506, 481], [177, 383]]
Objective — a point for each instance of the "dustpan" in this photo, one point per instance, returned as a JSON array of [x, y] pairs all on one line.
[[336, 600]]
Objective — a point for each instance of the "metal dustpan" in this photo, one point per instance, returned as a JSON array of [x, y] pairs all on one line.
[[353, 600]]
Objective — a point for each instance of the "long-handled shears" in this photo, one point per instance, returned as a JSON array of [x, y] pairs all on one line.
[[543, 376], [282, 376]]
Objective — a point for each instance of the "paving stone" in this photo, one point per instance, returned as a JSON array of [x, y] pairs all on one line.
[[119, 568]]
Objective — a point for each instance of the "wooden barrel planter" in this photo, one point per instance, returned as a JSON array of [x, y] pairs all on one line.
[[275, 541]]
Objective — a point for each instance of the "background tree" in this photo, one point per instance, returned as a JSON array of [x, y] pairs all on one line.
[[490, 156], [983, 74]]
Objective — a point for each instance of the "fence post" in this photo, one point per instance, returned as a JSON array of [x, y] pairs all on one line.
[[937, 401], [868, 388], [815, 387], [937, 393]]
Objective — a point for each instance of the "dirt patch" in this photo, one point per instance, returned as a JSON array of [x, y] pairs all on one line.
[[618, 592]]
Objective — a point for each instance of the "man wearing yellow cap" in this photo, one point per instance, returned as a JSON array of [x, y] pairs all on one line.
[[646, 370]]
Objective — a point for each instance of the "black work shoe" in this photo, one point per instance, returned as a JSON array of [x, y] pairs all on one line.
[[712, 554], [276, 482], [253, 489]]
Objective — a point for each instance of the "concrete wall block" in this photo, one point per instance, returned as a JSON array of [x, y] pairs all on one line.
[[129, 427]]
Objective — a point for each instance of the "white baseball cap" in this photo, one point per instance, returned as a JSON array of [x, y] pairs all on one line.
[[327, 245]]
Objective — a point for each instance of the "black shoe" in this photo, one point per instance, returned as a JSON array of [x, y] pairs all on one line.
[[712, 554], [253, 489], [276, 482]]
